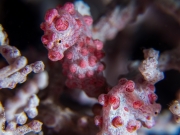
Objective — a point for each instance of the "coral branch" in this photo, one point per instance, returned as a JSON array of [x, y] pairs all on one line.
[[149, 67], [17, 71], [11, 128], [131, 104], [25, 93]]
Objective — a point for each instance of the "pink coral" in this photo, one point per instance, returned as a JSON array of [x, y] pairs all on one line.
[[149, 67], [125, 107], [130, 104]]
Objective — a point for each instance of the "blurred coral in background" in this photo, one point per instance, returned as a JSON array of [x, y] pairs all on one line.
[[106, 67]]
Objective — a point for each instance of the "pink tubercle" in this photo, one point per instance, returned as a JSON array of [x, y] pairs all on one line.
[[117, 121], [89, 73], [92, 61], [61, 24], [152, 98], [82, 63], [55, 56], [137, 104], [69, 7], [99, 44], [73, 68], [130, 86], [114, 101], [103, 99], [88, 20], [69, 55], [50, 15]]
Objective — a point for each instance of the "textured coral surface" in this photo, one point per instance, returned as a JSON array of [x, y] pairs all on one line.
[[106, 67]]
